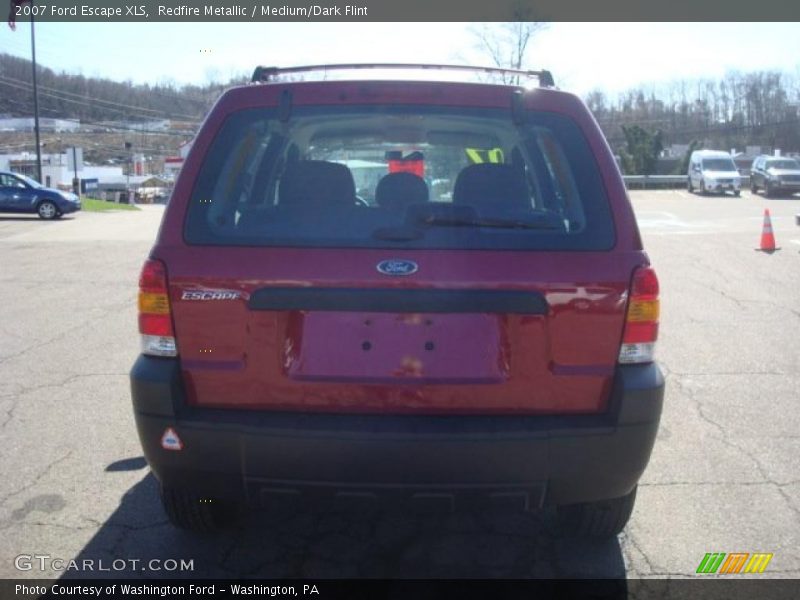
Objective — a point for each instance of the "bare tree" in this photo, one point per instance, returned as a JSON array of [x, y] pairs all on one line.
[[506, 44]]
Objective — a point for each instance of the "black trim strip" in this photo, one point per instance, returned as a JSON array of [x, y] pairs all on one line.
[[399, 301]]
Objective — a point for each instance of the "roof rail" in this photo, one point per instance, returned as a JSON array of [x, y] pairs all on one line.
[[266, 74]]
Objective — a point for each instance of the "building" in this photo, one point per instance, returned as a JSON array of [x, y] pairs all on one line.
[[675, 151], [45, 124], [145, 188], [173, 164], [155, 125], [58, 169]]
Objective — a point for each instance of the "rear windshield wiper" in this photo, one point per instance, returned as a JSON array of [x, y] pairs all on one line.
[[404, 233], [451, 221], [407, 233]]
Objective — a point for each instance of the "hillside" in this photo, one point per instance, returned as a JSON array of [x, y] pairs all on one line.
[[735, 111], [111, 112], [95, 100]]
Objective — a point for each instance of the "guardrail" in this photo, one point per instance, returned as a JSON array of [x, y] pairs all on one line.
[[663, 181]]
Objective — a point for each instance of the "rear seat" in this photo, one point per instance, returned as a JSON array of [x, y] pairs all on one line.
[[492, 188], [307, 185], [397, 191], [316, 184]]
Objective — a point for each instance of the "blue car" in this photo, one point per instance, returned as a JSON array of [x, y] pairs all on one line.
[[20, 194]]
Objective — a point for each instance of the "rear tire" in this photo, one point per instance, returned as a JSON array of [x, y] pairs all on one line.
[[602, 519], [194, 512], [689, 186], [737, 193]]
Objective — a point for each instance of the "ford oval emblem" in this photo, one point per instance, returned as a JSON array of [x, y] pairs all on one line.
[[397, 267]]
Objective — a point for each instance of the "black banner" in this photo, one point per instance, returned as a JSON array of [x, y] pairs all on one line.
[[603, 589], [265, 11]]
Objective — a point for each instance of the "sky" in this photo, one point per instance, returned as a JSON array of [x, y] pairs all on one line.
[[611, 57]]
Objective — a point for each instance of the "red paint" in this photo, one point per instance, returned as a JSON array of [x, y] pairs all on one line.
[[559, 363]]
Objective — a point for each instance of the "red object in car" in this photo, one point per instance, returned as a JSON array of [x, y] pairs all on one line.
[[416, 167]]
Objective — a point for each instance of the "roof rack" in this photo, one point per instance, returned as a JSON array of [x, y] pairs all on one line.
[[267, 74]]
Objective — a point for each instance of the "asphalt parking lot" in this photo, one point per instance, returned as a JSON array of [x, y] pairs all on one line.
[[724, 476]]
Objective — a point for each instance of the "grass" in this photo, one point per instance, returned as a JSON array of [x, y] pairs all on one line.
[[95, 205]]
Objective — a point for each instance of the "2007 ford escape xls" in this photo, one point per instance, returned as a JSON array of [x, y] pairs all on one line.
[[421, 292]]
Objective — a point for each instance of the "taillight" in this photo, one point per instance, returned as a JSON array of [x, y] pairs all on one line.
[[641, 320], [155, 319]]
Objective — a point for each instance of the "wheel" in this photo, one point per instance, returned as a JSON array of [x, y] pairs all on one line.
[[47, 210], [737, 193], [768, 190], [753, 186], [689, 186], [602, 519], [194, 512], [703, 189]]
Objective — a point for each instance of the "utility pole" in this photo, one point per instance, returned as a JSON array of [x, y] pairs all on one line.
[[128, 147], [76, 184], [35, 101]]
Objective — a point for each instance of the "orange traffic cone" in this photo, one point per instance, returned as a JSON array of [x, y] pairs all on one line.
[[767, 236]]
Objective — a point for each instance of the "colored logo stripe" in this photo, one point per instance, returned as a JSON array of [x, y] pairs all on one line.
[[734, 562], [710, 562], [713, 562], [758, 562]]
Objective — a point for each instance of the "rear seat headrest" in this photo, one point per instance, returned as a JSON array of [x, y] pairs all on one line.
[[316, 183], [396, 191], [492, 186]]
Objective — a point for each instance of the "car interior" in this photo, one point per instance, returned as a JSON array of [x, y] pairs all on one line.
[[446, 179]]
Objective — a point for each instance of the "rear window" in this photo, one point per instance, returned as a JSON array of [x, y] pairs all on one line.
[[400, 177]]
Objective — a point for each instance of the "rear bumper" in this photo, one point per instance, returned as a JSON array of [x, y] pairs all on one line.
[[525, 460]]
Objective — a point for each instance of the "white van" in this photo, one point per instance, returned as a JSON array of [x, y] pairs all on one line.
[[713, 171]]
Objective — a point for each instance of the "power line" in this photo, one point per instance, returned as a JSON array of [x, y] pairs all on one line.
[[152, 90], [93, 103], [85, 97], [51, 95]]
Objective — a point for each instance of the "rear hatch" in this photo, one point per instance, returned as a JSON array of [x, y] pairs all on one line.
[[398, 259], [244, 354]]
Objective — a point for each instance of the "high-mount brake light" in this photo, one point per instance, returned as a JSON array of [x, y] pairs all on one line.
[[155, 318], [641, 321]]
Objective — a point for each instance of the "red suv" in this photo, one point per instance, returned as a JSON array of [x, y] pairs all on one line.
[[431, 293]]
